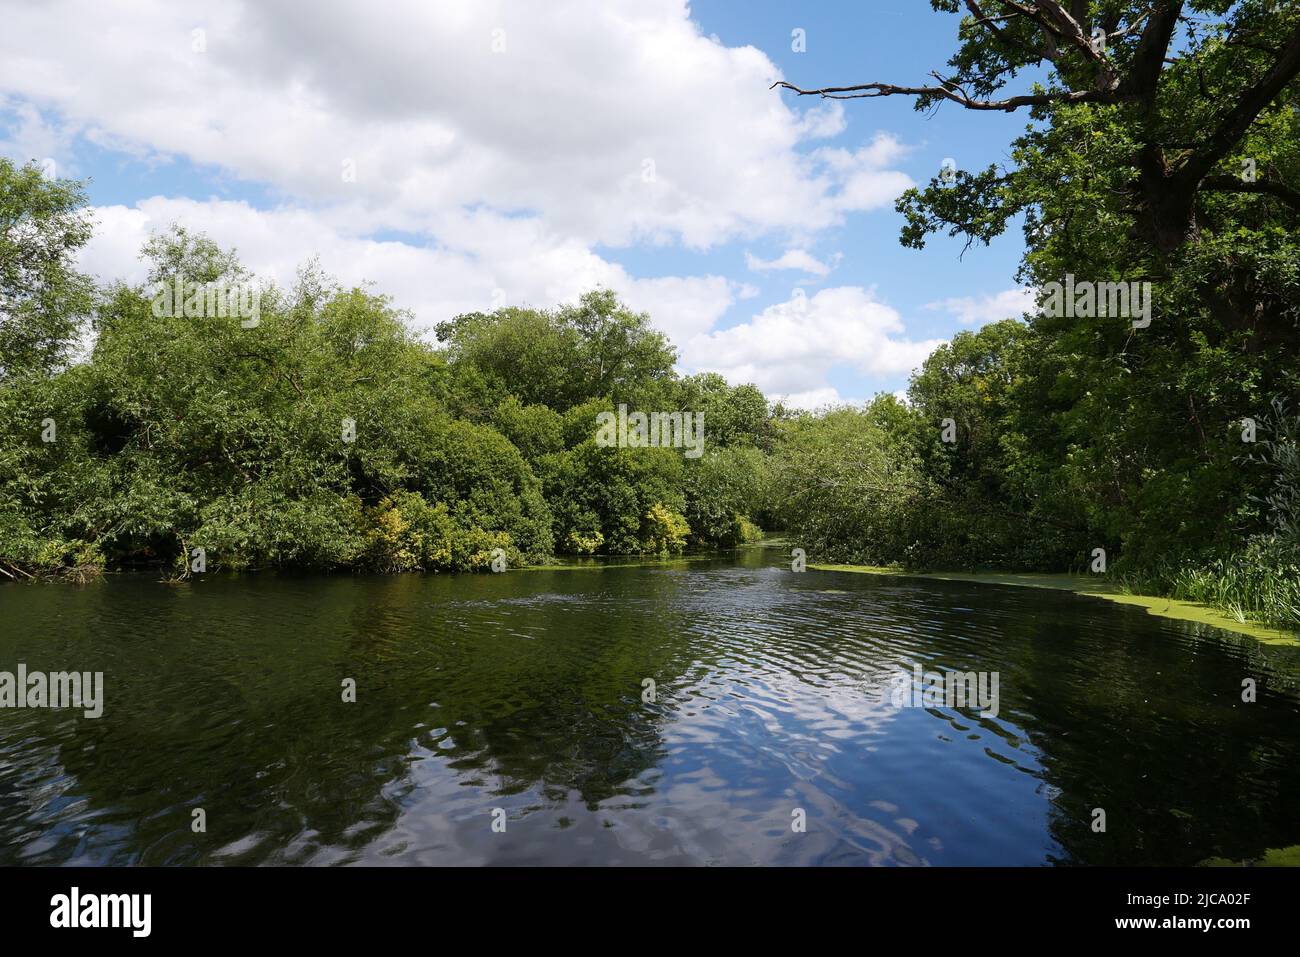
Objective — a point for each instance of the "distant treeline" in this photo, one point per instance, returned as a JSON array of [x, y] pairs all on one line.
[[322, 433]]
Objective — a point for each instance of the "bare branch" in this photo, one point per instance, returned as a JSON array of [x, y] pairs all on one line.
[[1010, 104]]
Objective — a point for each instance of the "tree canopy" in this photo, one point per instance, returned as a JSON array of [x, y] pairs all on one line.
[[1160, 152]]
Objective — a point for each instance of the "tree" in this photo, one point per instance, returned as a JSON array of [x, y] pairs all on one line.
[[561, 358], [842, 490], [43, 299], [733, 415], [1184, 90], [620, 354], [1163, 148], [726, 489]]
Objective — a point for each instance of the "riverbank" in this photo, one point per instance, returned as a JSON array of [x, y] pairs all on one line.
[[1095, 588]]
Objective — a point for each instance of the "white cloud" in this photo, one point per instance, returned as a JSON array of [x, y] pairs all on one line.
[[790, 259], [527, 265], [33, 136], [792, 347], [823, 120], [971, 310], [814, 399], [599, 123], [863, 180], [612, 122]]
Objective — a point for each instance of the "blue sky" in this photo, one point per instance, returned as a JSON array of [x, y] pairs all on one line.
[[897, 41], [512, 153]]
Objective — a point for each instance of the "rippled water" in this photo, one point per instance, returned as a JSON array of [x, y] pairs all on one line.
[[524, 692]]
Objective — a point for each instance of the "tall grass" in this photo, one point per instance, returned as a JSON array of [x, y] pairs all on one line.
[[1261, 584], [1261, 581]]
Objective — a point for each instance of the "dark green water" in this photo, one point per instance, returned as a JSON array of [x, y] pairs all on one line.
[[523, 692]]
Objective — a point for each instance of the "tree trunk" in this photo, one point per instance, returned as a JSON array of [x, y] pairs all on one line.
[[1167, 201]]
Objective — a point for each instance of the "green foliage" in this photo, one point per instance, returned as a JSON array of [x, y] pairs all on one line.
[[733, 415], [327, 436], [606, 492], [587, 544], [596, 349], [1071, 432], [996, 499], [723, 488], [43, 299], [1260, 582], [1079, 432], [184, 433], [843, 491], [406, 533], [535, 430], [664, 530], [1279, 456]]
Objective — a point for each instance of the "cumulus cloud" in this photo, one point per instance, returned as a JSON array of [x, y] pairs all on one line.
[[502, 261], [462, 155], [790, 259], [823, 120], [31, 135], [863, 179], [792, 347], [402, 111], [814, 399], [978, 310]]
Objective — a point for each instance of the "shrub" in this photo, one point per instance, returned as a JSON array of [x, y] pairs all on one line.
[[664, 530]]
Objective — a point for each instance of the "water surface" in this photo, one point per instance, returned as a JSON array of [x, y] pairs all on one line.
[[524, 692]]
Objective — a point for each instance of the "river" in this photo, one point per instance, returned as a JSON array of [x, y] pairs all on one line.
[[718, 711]]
